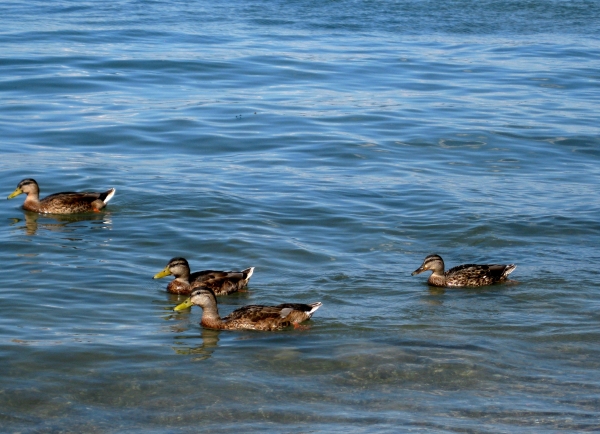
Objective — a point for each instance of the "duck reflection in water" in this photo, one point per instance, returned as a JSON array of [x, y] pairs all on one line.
[[62, 223], [203, 351], [187, 345]]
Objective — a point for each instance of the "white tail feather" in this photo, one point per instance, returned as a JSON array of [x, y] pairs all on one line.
[[315, 306], [110, 195], [509, 269]]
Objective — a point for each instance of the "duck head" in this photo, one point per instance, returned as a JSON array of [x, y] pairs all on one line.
[[434, 263]]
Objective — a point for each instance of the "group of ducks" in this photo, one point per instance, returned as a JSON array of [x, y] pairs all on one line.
[[203, 287]]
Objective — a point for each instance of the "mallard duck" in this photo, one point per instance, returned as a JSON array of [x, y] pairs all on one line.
[[463, 275], [221, 282], [252, 317], [61, 203]]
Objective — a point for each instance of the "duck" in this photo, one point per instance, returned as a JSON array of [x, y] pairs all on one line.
[[251, 317], [60, 203], [463, 275], [221, 282]]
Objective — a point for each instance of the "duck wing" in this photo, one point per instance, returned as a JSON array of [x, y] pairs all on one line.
[[74, 197], [222, 282], [72, 202], [255, 313], [477, 274]]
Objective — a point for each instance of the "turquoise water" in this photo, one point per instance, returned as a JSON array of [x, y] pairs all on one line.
[[331, 145]]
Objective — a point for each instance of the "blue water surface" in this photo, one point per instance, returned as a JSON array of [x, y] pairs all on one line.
[[332, 145]]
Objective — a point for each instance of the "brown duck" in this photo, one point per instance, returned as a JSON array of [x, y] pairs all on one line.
[[463, 275], [61, 203], [221, 282], [252, 317]]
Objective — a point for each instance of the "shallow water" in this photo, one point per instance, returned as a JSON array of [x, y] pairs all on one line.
[[332, 145]]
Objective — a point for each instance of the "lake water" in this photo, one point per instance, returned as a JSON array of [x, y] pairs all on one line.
[[332, 145]]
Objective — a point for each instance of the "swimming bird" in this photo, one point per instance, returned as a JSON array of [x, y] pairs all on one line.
[[60, 203], [251, 317], [221, 282], [463, 275]]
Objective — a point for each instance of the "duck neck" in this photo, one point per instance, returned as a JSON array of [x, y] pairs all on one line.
[[178, 287], [183, 278], [437, 278], [33, 203], [33, 197], [210, 317]]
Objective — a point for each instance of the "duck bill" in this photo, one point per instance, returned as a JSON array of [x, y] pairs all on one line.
[[15, 193], [162, 274], [185, 305], [418, 271]]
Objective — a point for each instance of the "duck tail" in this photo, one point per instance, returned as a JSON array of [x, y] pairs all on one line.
[[248, 273], [314, 307], [107, 195], [509, 269]]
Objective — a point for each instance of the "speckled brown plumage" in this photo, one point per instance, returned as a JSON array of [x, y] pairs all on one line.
[[464, 275], [252, 317], [61, 203], [221, 282]]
